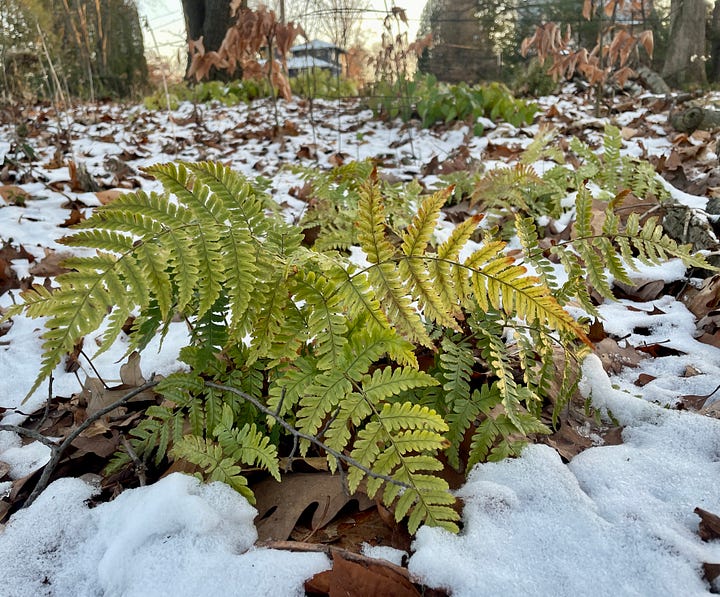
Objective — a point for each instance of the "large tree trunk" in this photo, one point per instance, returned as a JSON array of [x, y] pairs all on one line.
[[684, 64], [714, 38], [462, 50], [209, 19]]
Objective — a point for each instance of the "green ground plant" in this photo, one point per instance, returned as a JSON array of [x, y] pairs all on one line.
[[382, 367], [316, 84], [334, 348], [432, 102]]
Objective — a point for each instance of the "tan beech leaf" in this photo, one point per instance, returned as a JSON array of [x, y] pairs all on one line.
[[647, 41], [109, 195], [280, 505], [628, 133], [130, 372], [14, 195]]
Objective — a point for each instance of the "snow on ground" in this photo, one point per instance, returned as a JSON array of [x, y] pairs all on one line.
[[176, 538], [616, 520]]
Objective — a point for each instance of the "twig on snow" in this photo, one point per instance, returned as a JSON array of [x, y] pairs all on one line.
[[59, 450]]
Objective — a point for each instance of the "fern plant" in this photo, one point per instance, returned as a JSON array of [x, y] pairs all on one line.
[[326, 346], [333, 197]]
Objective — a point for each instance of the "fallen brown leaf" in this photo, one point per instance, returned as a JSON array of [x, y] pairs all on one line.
[[14, 195], [109, 195], [50, 264], [706, 298], [353, 579], [644, 379], [280, 505], [709, 527], [130, 372], [353, 574], [711, 572], [615, 358]]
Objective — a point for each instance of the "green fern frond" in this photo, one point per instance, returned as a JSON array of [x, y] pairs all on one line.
[[507, 186], [285, 391], [654, 247], [209, 456], [456, 365], [497, 434], [387, 382], [325, 318], [389, 287], [612, 162], [542, 147], [500, 284], [528, 236], [247, 444], [399, 443], [449, 278], [412, 267]]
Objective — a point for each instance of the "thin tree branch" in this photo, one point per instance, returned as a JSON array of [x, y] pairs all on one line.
[[331, 550], [299, 434], [31, 433]]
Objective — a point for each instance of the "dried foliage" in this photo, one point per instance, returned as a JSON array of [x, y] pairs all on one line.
[[608, 62], [254, 32], [396, 58]]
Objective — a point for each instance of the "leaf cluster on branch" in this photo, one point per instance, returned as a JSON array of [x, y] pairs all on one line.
[[607, 62], [252, 32]]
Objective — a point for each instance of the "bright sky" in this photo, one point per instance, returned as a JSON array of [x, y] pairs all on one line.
[[165, 18]]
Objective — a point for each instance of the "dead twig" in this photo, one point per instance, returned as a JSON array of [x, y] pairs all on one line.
[[139, 464], [59, 450], [330, 550], [31, 433]]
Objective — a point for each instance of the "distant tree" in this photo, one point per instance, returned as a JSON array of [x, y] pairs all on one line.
[[93, 47], [685, 60], [713, 34], [463, 48], [339, 21], [210, 20]]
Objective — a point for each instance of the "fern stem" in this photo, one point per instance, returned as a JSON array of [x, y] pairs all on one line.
[[299, 434]]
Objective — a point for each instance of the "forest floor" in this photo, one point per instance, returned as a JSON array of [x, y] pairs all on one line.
[[621, 506]]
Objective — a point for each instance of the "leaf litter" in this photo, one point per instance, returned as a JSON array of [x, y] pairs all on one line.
[[641, 476]]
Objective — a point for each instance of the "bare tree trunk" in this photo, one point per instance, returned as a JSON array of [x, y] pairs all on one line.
[[684, 64], [209, 19], [714, 38]]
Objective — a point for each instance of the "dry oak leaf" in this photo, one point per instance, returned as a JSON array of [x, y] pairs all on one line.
[[280, 505], [50, 264], [706, 299], [709, 526]]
